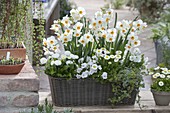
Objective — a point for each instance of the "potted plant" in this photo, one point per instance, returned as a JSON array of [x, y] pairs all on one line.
[[10, 65], [160, 87], [92, 62], [14, 26], [161, 36]]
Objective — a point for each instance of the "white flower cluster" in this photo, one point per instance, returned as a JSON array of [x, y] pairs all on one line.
[[88, 67], [136, 55], [53, 51], [106, 54], [98, 37], [163, 73]]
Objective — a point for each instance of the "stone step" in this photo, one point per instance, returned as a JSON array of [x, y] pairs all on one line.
[[16, 110], [26, 80], [19, 99], [19, 93]]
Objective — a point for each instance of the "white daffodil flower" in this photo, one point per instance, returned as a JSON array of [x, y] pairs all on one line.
[[73, 12], [66, 22], [65, 38], [128, 47], [99, 21], [77, 33], [78, 26], [110, 12], [136, 43], [112, 32], [89, 37], [106, 18], [93, 24], [119, 25], [98, 14], [55, 27], [51, 41], [81, 11], [110, 38], [83, 41], [132, 37]]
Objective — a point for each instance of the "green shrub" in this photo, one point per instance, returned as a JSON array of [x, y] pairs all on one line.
[[149, 10]]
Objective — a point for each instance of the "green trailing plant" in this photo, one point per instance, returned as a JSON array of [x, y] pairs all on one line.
[[127, 82], [15, 24], [39, 33], [149, 10], [13, 20], [11, 61], [48, 108], [116, 4]]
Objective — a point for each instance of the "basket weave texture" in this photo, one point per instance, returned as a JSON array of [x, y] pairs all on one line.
[[79, 92]]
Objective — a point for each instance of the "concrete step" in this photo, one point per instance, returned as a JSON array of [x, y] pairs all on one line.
[[26, 80], [19, 93]]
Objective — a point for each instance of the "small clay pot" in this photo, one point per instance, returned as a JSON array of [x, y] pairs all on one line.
[[11, 69]]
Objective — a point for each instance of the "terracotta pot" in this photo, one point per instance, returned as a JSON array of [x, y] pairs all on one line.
[[14, 52], [11, 69], [161, 98]]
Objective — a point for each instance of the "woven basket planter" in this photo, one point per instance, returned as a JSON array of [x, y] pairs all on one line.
[[82, 92]]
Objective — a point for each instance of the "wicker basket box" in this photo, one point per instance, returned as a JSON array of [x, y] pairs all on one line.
[[79, 92], [82, 92]]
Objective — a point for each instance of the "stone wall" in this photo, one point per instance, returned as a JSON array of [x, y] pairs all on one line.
[[19, 93]]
